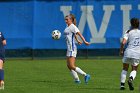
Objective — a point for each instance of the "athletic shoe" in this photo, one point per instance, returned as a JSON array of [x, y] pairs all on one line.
[[87, 78], [78, 82], [122, 88], [131, 87], [2, 85]]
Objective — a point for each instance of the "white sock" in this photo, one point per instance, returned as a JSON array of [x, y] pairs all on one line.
[[75, 75], [123, 76], [77, 69], [133, 74]]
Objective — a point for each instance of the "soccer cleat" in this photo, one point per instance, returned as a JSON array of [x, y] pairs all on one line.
[[77, 82], [87, 78], [122, 88], [2, 85], [131, 87]]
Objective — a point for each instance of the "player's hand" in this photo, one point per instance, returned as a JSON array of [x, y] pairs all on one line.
[[121, 53], [87, 43], [79, 42]]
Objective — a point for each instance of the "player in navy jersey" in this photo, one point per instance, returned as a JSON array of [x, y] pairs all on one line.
[[2, 56], [71, 32], [131, 55]]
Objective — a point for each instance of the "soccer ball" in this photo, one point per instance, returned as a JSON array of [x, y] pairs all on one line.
[[56, 34]]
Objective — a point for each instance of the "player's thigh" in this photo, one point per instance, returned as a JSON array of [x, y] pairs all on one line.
[[71, 61], [1, 64], [134, 67], [125, 66], [126, 61]]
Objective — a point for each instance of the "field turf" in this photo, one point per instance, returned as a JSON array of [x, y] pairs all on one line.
[[52, 76]]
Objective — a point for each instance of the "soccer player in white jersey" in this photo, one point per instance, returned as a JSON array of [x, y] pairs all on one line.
[[71, 32], [131, 55]]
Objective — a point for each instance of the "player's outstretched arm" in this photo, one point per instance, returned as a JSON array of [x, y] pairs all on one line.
[[81, 36], [76, 38]]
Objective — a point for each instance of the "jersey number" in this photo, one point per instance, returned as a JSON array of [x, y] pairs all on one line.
[[136, 42]]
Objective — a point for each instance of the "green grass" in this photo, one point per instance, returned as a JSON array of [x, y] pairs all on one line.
[[52, 76]]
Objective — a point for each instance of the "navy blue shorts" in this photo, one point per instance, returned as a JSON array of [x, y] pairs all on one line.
[[2, 57]]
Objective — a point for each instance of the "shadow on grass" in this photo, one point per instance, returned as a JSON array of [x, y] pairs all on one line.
[[40, 81], [101, 88]]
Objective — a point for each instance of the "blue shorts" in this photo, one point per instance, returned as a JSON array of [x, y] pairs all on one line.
[[2, 57]]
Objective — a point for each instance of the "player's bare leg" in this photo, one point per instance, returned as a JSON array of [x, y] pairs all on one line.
[[132, 77], [71, 66], [123, 75], [1, 75]]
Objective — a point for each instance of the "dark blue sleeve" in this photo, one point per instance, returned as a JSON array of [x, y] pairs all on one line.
[[2, 36]]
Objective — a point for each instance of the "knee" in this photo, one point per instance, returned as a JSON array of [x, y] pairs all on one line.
[[134, 68], [126, 69], [71, 67], [68, 67], [1, 65]]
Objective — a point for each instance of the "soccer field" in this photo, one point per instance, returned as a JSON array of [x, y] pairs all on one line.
[[52, 76]]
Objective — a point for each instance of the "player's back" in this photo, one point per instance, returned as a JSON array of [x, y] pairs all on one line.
[[133, 48]]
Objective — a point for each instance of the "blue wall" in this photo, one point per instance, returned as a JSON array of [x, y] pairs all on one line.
[[29, 23]]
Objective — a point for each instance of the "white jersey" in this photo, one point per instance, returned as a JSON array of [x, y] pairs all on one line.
[[133, 47], [69, 33]]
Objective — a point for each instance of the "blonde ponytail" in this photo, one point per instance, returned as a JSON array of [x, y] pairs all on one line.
[[73, 19], [74, 22]]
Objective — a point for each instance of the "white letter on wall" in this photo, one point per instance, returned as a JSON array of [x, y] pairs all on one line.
[[97, 36], [126, 17], [66, 10]]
